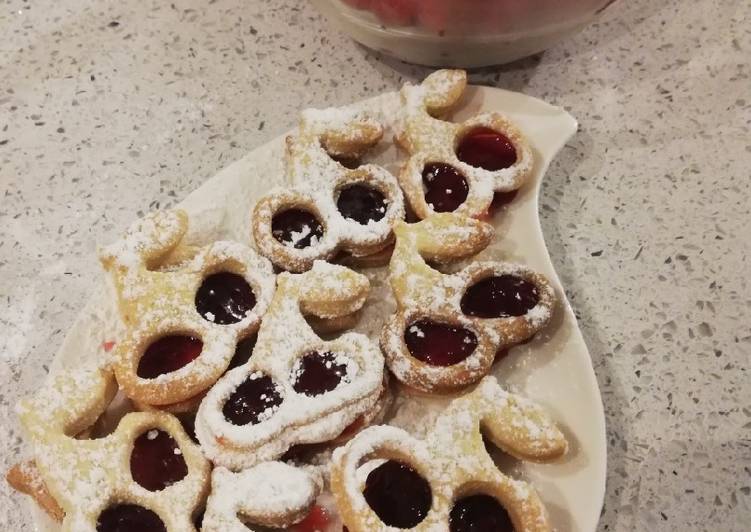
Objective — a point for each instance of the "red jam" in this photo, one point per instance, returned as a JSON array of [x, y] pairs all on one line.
[[243, 352], [398, 495], [316, 521], [479, 513], [250, 400], [129, 518], [485, 148], [445, 187], [225, 298], [318, 373], [156, 460], [168, 354], [439, 344], [296, 228], [500, 296], [361, 204]]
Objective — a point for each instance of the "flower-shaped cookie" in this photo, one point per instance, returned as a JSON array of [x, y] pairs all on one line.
[[296, 388], [448, 327], [457, 167], [330, 207], [147, 472], [182, 321], [448, 481], [271, 494]]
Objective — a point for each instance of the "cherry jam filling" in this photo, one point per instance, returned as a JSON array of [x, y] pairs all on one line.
[[445, 187], [398, 495], [479, 513], [252, 401], [243, 352], [129, 518], [168, 354], [486, 148], [361, 204], [156, 460], [296, 228], [439, 344], [500, 296], [225, 298], [317, 373]]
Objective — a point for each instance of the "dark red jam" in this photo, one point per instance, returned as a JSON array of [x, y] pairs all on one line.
[[317, 373], [168, 354], [129, 518], [156, 460], [500, 296], [485, 148], [479, 513], [243, 352], [398, 495], [297, 228], [317, 520], [439, 344], [225, 298], [445, 187], [250, 400], [361, 204]]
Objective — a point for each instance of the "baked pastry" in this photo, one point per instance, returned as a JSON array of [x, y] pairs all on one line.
[[25, 478], [448, 327], [457, 167], [147, 473], [271, 494], [182, 321], [329, 207], [296, 388], [448, 481]]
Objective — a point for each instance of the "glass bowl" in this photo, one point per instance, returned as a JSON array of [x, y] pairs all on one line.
[[460, 33]]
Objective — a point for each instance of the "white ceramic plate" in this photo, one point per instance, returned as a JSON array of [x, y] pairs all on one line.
[[554, 369]]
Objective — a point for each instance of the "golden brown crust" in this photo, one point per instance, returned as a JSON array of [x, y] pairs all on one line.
[[25, 477]]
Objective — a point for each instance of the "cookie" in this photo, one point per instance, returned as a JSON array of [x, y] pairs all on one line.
[[329, 208], [296, 388], [457, 167], [147, 472], [448, 327], [385, 479], [182, 321]]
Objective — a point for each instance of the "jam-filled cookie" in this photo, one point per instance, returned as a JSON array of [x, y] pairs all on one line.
[[385, 479], [329, 207], [448, 327], [296, 388], [147, 473], [182, 320], [457, 167]]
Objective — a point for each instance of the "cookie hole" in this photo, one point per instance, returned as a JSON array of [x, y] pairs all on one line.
[[128, 518], [361, 203], [255, 400], [500, 296], [168, 354], [479, 513], [483, 147], [445, 187], [439, 344], [224, 298], [398, 494], [296, 228], [243, 352], [156, 460], [317, 373]]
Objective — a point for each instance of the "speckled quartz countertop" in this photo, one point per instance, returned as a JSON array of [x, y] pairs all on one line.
[[110, 109]]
